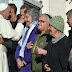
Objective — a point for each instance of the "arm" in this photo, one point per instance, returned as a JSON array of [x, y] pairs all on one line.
[[17, 52], [10, 44], [64, 55], [7, 31]]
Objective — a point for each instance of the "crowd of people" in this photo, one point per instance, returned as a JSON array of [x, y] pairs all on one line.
[[34, 42]]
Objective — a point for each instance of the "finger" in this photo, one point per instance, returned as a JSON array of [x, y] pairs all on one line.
[[37, 48], [46, 65], [48, 69], [19, 67], [30, 41], [31, 44]]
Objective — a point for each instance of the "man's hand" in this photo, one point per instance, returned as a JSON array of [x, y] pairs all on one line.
[[30, 45], [21, 20], [41, 51], [47, 68], [1, 41], [20, 64]]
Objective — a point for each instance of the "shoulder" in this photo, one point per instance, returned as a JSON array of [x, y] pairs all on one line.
[[65, 40], [65, 44]]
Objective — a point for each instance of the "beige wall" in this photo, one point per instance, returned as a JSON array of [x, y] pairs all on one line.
[[56, 7], [45, 8]]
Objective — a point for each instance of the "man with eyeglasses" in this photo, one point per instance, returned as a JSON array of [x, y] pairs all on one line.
[[40, 42]]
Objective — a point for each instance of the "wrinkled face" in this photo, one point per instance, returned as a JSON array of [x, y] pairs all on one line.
[[53, 30], [42, 23], [28, 19], [7, 12], [22, 13], [69, 20]]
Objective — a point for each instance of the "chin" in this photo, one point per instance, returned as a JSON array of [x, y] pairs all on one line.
[[27, 24], [50, 33], [39, 28]]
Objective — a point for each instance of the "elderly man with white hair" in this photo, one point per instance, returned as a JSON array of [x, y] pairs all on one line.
[[6, 31]]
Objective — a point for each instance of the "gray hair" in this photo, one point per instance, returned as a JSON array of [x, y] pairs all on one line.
[[69, 13], [47, 15], [33, 12]]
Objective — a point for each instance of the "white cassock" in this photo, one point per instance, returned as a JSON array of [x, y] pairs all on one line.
[[6, 31]]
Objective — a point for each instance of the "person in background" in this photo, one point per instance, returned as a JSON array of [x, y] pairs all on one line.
[[56, 59], [22, 54], [40, 41], [22, 15], [7, 32], [10, 44], [13, 17], [22, 9], [69, 21]]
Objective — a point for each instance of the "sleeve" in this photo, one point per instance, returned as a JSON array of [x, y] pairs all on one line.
[[27, 57], [19, 30], [70, 59], [44, 60], [17, 52], [7, 31], [10, 44], [64, 55]]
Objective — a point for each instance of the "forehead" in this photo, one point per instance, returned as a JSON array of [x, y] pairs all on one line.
[[43, 18], [27, 15], [8, 9], [22, 10]]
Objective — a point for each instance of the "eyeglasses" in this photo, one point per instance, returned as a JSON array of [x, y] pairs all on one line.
[[42, 21]]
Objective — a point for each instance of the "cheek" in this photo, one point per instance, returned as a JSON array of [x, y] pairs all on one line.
[[30, 20], [25, 19], [52, 31], [39, 27], [70, 21]]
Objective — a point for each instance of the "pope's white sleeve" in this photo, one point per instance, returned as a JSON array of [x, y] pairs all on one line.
[[6, 30]]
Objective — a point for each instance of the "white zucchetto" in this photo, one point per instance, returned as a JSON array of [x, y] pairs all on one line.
[[3, 6]]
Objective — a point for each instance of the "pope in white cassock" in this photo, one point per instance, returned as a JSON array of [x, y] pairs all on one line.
[[6, 31]]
